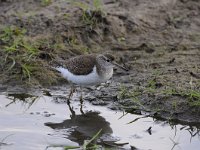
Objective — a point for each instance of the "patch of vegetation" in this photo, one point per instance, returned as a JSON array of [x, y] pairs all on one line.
[[133, 94], [91, 14], [46, 2], [193, 96], [153, 84], [154, 87], [125, 92], [95, 6], [21, 58]]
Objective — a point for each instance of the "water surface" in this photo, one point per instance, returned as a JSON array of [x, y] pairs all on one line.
[[30, 122]]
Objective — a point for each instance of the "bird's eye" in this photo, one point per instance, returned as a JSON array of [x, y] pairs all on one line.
[[108, 60]]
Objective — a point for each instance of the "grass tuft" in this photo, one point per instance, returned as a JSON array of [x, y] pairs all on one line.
[[92, 14], [21, 58]]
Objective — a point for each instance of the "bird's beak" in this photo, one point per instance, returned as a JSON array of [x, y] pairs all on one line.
[[119, 66]]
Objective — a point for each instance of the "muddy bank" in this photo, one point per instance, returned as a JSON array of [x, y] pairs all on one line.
[[157, 40]]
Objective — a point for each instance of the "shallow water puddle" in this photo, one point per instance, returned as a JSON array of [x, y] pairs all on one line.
[[29, 123]]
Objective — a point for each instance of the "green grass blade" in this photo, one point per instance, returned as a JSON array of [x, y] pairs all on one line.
[[13, 63], [92, 139], [71, 147]]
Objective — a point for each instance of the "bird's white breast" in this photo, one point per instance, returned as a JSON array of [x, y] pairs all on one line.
[[90, 79]]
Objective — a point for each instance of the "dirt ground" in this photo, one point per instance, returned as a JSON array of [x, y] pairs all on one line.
[[158, 40]]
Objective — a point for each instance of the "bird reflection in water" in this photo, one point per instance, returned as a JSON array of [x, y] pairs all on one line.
[[84, 126]]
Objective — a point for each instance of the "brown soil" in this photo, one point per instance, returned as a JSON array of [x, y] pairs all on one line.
[[158, 40]]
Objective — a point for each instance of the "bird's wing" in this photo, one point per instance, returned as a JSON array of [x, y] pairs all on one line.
[[81, 65]]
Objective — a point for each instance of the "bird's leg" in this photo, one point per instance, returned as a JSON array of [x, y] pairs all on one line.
[[71, 110], [71, 93], [81, 101], [81, 97], [72, 90]]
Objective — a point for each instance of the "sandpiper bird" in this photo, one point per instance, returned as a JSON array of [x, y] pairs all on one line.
[[91, 69]]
